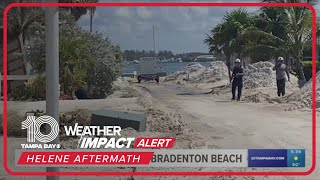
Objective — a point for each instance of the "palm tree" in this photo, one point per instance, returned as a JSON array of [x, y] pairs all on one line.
[[298, 26], [223, 38], [217, 43], [260, 45], [271, 20], [77, 12], [20, 19], [267, 38]]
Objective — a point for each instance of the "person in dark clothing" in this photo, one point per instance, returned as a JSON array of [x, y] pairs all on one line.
[[237, 81], [281, 72]]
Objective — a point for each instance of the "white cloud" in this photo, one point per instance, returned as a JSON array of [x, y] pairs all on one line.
[[144, 13], [200, 11], [188, 19], [177, 28], [143, 26], [123, 12], [176, 15], [117, 28], [124, 27], [197, 27]]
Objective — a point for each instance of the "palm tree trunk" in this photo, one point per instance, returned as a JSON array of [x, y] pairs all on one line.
[[228, 66], [299, 69], [91, 17], [23, 52]]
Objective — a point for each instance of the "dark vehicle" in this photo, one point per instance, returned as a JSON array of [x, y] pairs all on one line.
[[149, 69]]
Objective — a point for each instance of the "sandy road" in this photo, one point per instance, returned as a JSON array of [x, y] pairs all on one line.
[[229, 125], [222, 124]]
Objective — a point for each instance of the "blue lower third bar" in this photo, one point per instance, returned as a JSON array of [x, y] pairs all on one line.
[[267, 158], [276, 158]]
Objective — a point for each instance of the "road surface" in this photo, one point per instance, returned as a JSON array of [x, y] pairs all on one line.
[[221, 124], [229, 125]]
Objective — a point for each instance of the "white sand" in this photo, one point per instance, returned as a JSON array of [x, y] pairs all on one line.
[[196, 121]]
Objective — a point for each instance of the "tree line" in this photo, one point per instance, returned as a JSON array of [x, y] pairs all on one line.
[[131, 55]]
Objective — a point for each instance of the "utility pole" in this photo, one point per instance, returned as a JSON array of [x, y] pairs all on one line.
[[52, 71], [91, 18], [154, 43]]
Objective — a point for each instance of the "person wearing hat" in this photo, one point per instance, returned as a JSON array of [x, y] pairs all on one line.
[[237, 81], [281, 73]]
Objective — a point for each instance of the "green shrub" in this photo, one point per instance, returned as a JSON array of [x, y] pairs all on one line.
[[307, 69], [37, 87], [105, 68], [34, 89], [89, 61]]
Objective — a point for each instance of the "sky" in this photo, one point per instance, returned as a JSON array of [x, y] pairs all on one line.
[[179, 29]]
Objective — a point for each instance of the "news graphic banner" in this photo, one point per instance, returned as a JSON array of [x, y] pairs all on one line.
[[135, 157], [276, 158], [163, 158], [104, 146]]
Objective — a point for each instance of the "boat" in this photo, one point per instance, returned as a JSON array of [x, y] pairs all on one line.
[[136, 62]]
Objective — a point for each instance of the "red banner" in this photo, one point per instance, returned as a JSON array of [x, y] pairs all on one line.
[[64, 158]]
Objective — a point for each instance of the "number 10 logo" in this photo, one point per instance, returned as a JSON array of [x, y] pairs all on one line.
[[33, 124]]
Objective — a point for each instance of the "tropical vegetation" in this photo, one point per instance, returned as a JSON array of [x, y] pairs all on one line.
[[275, 31], [87, 60], [77, 12]]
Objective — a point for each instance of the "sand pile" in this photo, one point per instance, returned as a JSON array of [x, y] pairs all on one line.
[[122, 88], [302, 99], [196, 73], [145, 99], [217, 71], [260, 74], [257, 97], [80, 116], [121, 83], [159, 121], [159, 124], [296, 99], [308, 86], [191, 71], [261, 86]]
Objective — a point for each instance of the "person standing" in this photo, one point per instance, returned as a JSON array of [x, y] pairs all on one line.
[[281, 72], [237, 81]]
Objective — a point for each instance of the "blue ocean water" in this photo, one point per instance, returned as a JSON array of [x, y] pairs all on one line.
[[169, 68]]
